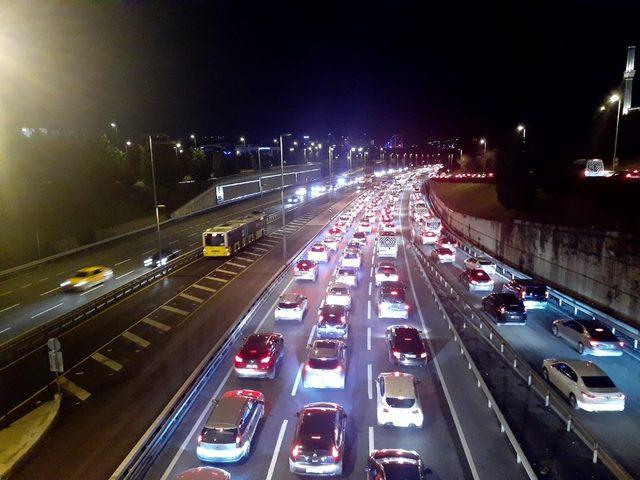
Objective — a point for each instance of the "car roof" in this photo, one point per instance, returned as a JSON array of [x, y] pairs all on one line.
[[324, 349], [584, 368], [227, 412], [290, 297], [89, 269], [339, 285], [528, 282], [399, 385], [204, 473]]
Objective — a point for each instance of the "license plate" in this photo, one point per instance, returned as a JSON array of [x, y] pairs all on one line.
[[410, 356], [252, 366], [315, 469]]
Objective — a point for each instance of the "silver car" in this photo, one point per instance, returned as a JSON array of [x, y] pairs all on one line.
[[588, 337], [584, 384], [326, 364]]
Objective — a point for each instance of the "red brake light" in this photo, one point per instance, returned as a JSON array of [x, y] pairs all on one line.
[[238, 440], [266, 359], [593, 343], [320, 317], [587, 395], [335, 452], [307, 367], [238, 359], [199, 439], [523, 294], [396, 354], [296, 450], [338, 368], [621, 344], [343, 319], [502, 310]]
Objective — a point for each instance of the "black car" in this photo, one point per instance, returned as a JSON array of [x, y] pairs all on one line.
[[534, 294], [406, 346], [319, 440], [505, 308], [166, 255], [391, 464]]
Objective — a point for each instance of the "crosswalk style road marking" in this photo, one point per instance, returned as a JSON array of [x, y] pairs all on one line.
[[228, 272], [216, 279], [75, 390], [136, 339], [235, 264], [206, 289], [179, 311], [191, 297], [156, 324], [106, 361]]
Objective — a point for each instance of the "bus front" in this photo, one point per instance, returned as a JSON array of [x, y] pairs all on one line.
[[214, 244]]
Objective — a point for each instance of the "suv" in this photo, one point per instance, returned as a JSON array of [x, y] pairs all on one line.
[[392, 464], [227, 434], [291, 306], [259, 355], [533, 294], [326, 364], [306, 270], [505, 308], [398, 400], [480, 263], [318, 253], [319, 440]]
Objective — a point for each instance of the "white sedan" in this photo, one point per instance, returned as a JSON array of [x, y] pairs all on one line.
[[351, 258], [480, 263], [338, 294], [386, 272], [318, 253], [331, 242], [292, 306], [347, 275], [365, 227]]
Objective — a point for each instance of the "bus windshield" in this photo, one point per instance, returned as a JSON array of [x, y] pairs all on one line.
[[213, 239]]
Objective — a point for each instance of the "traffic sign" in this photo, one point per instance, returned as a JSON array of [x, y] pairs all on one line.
[[56, 363], [54, 344]]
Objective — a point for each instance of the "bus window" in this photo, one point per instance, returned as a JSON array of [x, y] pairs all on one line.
[[214, 239]]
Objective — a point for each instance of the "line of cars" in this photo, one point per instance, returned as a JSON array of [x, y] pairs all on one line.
[[319, 440], [582, 382]]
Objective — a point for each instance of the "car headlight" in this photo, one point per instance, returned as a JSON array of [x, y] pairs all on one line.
[[79, 284], [65, 283], [148, 262]]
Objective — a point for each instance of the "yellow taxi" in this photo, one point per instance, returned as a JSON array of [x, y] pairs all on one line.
[[86, 278]]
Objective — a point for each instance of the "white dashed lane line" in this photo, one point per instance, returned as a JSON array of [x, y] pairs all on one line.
[[216, 279], [45, 311], [193, 298], [228, 272], [9, 308], [92, 289], [156, 324], [136, 339], [49, 291], [171, 309], [122, 262], [206, 289], [125, 274]]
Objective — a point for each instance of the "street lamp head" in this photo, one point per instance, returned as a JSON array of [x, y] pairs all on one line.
[[192, 136], [602, 108], [319, 145], [178, 145], [353, 149], [275, 140], [237, 152], [614, 98], [291, 149], [181, 151], [242, 139], [520, 128], [128, 143], [482, 141], [360, 149], [113, 124], [295, 143]]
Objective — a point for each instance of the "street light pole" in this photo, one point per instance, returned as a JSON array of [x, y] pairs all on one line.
[[193, 137], [259, 172], [284, 223], [331, 172], [155, 197], [616, 98], [483, 142]]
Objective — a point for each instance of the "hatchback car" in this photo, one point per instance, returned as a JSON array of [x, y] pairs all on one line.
[[395, 464], [204, 473], [406, 346], [392, 302], [398, 400], [166, 255], [355, 245], [227, 433], [446, 242], [365, 226], [360, 237], [476, 280], [319, 440], [351, 258], [427, 237], [584, 384], [588, 337], [331, 242], [338, 294], [318, 253], [292, 306], [505, 308], [347, 276], [333, 322], [326, 364], [306, 270], [386, 272], [259, 355], [443, 255], [480, 263], [532, 293], [87, 278]]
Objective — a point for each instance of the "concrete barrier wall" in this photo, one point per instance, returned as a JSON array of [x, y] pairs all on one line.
[[599, 268]]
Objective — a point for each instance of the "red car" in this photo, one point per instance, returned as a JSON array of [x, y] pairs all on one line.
[[259, 355]]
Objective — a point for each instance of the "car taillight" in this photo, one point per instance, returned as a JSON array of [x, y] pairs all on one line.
[[423, 355], [523, 294], [266, 359], [335, 453], [343, 319], [238, 359], [320, 317], [396, 354], [502, 310], [238, 440], [546, 294], [338, 368], [588, 395], [307, 367], [296, 450], [199, 439], [296, 270], [406, 307], [621, 344]]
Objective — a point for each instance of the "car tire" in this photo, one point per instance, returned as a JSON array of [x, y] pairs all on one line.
[[545, 374], [580, 348], [555, 331], [573, 402]]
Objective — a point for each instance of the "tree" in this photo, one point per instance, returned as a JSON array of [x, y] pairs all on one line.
[[515, 181], [200, 165]]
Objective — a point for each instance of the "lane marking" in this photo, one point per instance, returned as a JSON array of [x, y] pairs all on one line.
[[5, 329], [25, 286], [371, 272], [196, 426], [216, 279], [9, 308], [369, 288], [191, 297], [59, 273], [149, 251], [206, 289], [43, 279], [136, 339], [193, 234], [174, 241], [76, 390], [259, 249], [171, 309], [106, 361], [125, 274], [6, 293], [276, 451], [371, 439], [49, 291], [228, 272], [311, 334], [92, 289], [296, 382], [155, 323], [45, 311], [235, 265], [370, 381], [244, 259], [368, 338], [122, 262], [194, 244], [252, 253], [368, 309]]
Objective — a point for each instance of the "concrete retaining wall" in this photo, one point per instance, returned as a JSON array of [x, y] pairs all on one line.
[[599, 268]]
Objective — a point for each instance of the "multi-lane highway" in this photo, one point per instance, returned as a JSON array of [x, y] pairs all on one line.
[[459, 439], [34, 297], [616, 431]]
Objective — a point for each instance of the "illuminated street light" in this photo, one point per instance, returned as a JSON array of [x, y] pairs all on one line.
[[178, 145], [128, 143], [291, 149], [275, 140], [602, 108], [523, 129], [295, 143], [114, 125], [483, 142], [613, 99], [193, 137], [242, 140]]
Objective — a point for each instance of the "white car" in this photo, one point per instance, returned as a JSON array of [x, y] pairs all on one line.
[[360, 237], [428, 237], [443, 255], [347, 275], [446, 242], [318, 253], [326, 364], [336, 231], [346, 220], [480, 263], [338, 294], [389, 227], [398, 400], [331, 242], [386, 272], [584, 384], [351, 258], [365, 227], [392, 302], [292, 306], [306, 270]]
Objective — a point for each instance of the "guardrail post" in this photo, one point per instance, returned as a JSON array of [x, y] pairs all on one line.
[[501, 347], [480, 325], [569, 424], [464, 325], [489, 403], [559, 302], [515, 362], [595, 453], [635, 343], [546, 399], [491, 335], [613, 330], [461, 350], [529, 379], [575, 310]]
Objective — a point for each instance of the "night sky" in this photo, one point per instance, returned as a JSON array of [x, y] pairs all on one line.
[[260, 68]]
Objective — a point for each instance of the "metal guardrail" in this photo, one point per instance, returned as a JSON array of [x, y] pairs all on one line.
[[521, 458], [143, 454], [560, 300], [551, 398]]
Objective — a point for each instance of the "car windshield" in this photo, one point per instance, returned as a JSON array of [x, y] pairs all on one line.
[[305, 265], [401, 471], [481, 275], [485, 262], [332, 319], [409, 339], [536, 289], [394, 402], [285, 304], [323, 363], [350, 255], [316, 430], [393, 296], [600, 381], [600, 333], [339, 291], [81, 274], [213, 239], [318, 248], [345, 272], [219, 435], [358, 235]]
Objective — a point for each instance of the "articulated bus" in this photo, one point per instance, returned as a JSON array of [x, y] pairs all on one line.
[[228, 238]]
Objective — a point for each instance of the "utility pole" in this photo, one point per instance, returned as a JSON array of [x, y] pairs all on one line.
[[155, 196], [284, 233]]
